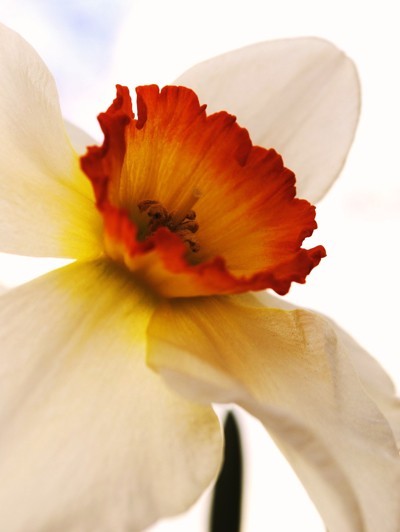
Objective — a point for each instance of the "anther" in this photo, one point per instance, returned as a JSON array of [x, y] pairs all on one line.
[[144, 205], [160, 217]]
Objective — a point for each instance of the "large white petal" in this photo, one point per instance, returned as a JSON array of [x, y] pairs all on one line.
[[46, 203], [91, 438], [292, 371], [375, 380], [299, 96]]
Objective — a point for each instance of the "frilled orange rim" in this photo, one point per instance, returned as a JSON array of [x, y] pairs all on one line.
[[189, 205]]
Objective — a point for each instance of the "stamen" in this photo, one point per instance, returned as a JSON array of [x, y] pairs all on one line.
[[186, 206], [160, 217]]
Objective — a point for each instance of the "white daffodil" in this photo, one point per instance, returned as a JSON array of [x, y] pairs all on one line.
[[109, 366]]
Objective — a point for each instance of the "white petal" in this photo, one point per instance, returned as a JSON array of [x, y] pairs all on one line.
[[291, 370], [375, 380], [80, 139], [46, 203], [299, 96], [377, 383], [91, 438]]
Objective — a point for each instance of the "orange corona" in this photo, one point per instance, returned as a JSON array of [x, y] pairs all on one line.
[[190, 205]]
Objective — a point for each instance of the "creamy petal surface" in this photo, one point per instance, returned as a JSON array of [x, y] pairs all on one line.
[[46, 203], [300, 96], [292, 371], [91, 438], [374, 379]]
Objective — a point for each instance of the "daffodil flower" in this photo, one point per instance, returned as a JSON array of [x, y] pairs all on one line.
[[110, 365]]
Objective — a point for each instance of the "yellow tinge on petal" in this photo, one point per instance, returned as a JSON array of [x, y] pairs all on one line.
[[46, 203], [91, 438], [293, 371]]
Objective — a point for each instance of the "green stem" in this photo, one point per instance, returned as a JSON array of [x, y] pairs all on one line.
[[227, 497]]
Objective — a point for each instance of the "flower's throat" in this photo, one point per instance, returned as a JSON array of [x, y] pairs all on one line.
[[159, 217]]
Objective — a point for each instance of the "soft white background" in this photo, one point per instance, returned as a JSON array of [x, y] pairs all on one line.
[[91, 45]]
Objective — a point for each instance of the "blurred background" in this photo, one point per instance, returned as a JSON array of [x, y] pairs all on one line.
[[91, 45]]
